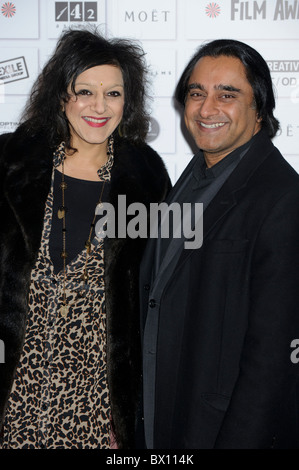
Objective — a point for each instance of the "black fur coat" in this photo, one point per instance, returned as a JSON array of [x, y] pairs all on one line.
[[25, 178]]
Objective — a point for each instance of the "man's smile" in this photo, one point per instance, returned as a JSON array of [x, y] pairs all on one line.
[[211, 126]]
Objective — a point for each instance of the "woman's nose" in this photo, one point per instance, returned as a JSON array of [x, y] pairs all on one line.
[[99, 103]]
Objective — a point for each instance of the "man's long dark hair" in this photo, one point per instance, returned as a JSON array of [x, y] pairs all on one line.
[[257, 73], [77, 51]]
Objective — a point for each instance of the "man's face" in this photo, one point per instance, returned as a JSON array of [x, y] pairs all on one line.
[[219, 110]]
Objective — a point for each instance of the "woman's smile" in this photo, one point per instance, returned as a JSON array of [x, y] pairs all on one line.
[[95, 122]]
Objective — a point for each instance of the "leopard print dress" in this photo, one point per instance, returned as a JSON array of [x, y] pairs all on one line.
[[60, 396]]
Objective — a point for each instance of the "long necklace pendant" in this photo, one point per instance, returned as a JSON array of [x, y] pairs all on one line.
[[64, 309], [85, 277], [61, 212], [88, 247]]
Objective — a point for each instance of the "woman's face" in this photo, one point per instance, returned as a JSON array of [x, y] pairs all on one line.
[[96, 108]]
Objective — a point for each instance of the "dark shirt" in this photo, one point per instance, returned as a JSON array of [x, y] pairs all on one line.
[[203, 176], [197, 183], [81, 198]]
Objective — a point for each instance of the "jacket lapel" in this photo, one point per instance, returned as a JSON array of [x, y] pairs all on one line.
[[224, 201], [227, 197], [150, 261]]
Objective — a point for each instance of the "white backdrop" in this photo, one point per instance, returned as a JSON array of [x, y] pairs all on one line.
[[170, 31]]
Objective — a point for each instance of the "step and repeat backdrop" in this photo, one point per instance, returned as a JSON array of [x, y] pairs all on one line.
[[170, 32]]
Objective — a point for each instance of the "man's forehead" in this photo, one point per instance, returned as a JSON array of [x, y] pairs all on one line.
[[227, 71]]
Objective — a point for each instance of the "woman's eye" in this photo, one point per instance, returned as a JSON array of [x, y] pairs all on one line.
[[83, 92], [114, 93]]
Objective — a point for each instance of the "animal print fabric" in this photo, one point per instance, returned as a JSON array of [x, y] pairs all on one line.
[[60, 396]]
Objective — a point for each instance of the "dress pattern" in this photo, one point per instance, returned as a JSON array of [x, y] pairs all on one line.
[[60, 396]]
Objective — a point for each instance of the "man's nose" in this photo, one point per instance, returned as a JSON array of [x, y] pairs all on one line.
[[208, 107]]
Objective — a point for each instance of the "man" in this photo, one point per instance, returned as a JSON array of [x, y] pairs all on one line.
[[218, 321]]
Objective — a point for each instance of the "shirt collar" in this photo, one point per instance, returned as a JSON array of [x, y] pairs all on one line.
[[104, 173], [203, 175]]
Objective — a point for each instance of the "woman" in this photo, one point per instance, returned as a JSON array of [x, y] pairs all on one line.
[[69, 313]]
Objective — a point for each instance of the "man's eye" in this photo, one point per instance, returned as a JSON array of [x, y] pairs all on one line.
[[227, 96], [196, 94]]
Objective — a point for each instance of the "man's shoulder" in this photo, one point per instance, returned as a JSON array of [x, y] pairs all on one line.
[[265, 165], [279, 170]]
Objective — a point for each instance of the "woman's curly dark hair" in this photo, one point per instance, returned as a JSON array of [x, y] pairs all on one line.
[[77, 51]]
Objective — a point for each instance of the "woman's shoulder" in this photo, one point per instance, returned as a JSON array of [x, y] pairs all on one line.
[[139, 154], [4, 138], [23, 139], [13, 138], [143, 166], [4, 141]]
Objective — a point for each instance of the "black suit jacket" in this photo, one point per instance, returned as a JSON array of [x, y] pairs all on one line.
[[217, 329]]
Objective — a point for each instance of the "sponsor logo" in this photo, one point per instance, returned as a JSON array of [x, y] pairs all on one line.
[[162, 69], [286, 10], [76, 11], [231, 13], [248, 11], [8, 126], [8, 9], [145, 20], [285, 75], [161, 73], [283, 65], [143, 16], [213, 10], [289, 130], [283, 10], [13, 70], [19, 19], [154, 130]]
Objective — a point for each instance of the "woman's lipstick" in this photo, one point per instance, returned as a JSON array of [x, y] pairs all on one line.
[[95, 122]]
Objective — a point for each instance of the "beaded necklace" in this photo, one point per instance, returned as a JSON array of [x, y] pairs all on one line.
[[64, 309]]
